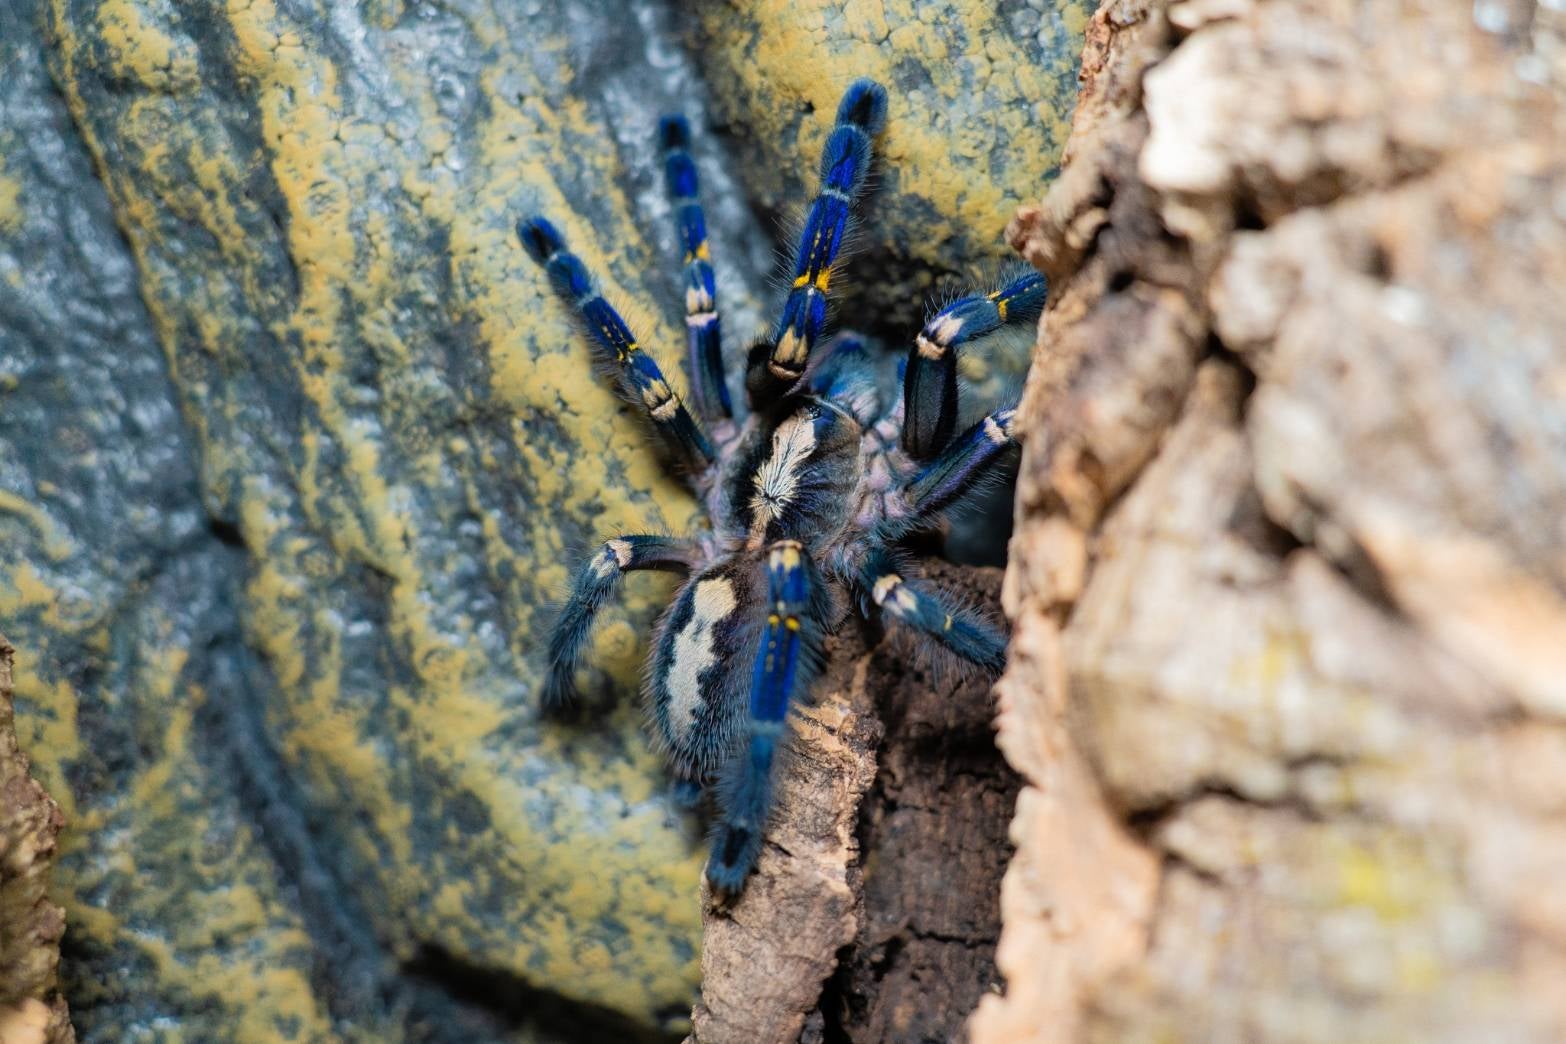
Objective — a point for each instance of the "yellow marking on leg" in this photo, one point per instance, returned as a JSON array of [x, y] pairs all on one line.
[[1000, 302], [660, 400], [787, 552], [790, 350], [697, 300], [822, 280], [616, 553]]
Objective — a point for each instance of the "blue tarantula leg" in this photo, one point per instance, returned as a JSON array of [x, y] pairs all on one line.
[[595, 582], [709, 387], [965, 462], [916, 605], [930, 378], [635, 374], [775, 365], [787, 661]]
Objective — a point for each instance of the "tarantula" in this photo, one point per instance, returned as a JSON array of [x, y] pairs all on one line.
[[808, 493]]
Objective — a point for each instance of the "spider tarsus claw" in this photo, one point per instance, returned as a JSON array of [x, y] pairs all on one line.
[[687, 793], [864, 105], [726, 885], [734, 852], [674, 131], [540, 239], [558, 695]]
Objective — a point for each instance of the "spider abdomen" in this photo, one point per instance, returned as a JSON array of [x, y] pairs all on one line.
[[696, 685]]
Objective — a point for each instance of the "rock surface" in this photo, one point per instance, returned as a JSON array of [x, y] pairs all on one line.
[[982, 95], [295, 451], [1289, 579]]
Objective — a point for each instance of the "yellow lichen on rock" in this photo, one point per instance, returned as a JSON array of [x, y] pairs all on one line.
[[319, 318], [981, 103]]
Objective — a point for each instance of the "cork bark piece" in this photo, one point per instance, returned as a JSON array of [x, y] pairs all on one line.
[[1288, 581]]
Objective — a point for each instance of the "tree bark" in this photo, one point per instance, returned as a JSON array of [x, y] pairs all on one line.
[[874, 912], [1288, 586], [32, 1011]]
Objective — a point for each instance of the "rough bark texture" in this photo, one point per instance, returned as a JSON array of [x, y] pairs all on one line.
[[1289, 580], [895, 767], [32, 1010], [934, 830], [765, 956]]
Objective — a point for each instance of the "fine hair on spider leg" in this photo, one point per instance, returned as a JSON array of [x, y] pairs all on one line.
[[788, 659], [634, 373], [704, 342], [941, 663], [595, 582], [930, 387], [915, 604], [845, 162], [809, 494], [948, 484]]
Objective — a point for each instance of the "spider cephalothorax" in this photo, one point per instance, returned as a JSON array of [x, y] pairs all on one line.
[[808, 493]]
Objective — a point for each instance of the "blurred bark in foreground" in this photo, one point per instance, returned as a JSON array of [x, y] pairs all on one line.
[[32, 1011], [1289, 581]]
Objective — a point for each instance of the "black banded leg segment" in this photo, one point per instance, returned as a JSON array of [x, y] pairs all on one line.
[[776, 365], [965, 462], [787, 661], [635, 375], [709, 387], [594, 583], [916, 605], [930, 378]]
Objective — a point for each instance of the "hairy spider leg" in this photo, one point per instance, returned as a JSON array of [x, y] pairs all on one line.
[[930, 376], [787, 660], [916, 605], [775, 366], [595, 582], [709, 387], [635, 374], [965, 462]]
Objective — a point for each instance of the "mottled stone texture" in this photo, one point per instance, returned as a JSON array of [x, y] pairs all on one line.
[[1289, 580], [295, 450], [982, 102]]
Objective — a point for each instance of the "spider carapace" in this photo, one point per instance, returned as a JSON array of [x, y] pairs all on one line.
[[809, 491]]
